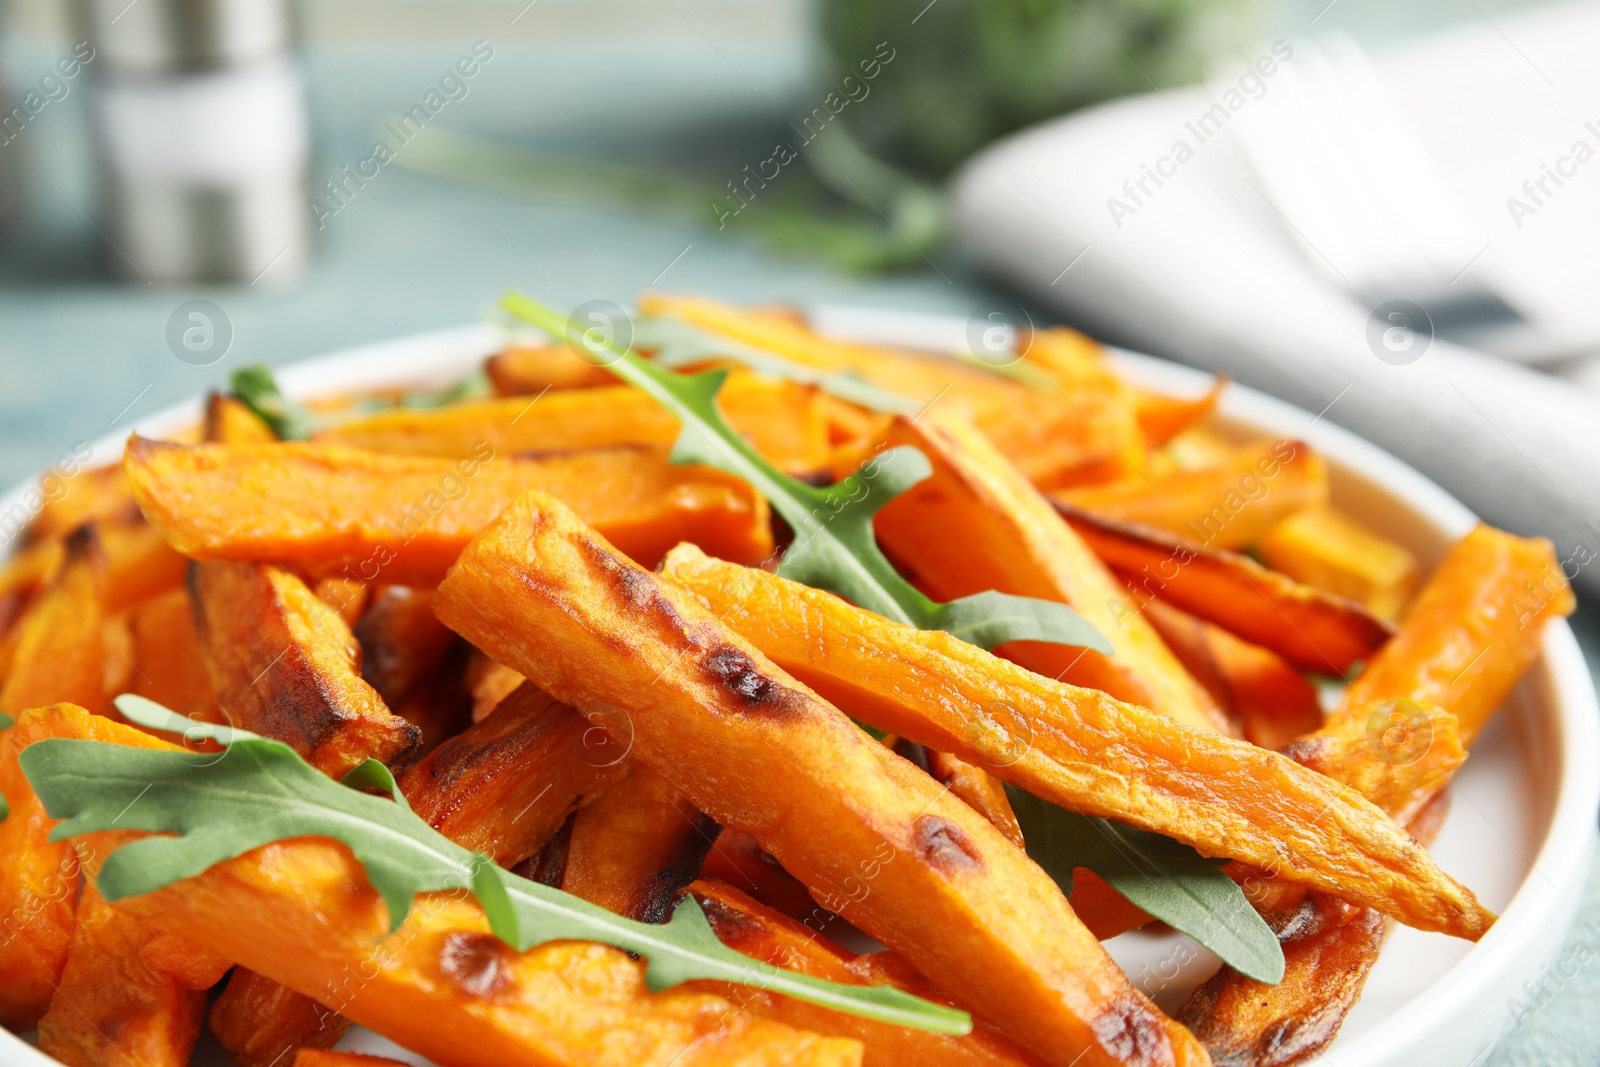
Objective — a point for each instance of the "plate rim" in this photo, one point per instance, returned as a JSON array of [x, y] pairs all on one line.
[[1569, 841]]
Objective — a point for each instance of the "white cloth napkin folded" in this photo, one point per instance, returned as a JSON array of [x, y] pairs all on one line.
[[1196, 265]]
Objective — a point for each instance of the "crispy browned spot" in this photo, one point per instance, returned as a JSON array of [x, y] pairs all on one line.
[[736, 672], [1129, 1031], [943, 846], [634, 584], [729, 924], [475, 964]]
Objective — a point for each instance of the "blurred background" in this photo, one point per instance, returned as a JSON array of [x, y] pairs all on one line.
[[599, 147]]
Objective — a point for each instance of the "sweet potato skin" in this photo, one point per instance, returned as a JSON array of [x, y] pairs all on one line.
[[755, 750], [259, 1022], [636, 846], [1083, 749], [1230, 505], [505, 785], [1314, 630], [302, 913], [780, 419], [977, 525], [404, 519], [283, 665]]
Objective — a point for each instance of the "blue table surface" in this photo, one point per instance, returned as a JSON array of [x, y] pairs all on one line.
[[80, 353]]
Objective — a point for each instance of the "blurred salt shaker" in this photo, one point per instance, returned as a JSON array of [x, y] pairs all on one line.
[[204, 140]]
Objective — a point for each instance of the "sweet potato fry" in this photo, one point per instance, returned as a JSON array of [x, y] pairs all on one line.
[[507, 784], [347, 596], [25, 571], [762, 933], [1083, 749], [1474, 630], [977, 524], [283, 665], [401, 641], [1326, 549], [1077, 429], [331, 510], [489, 683], [61, 649], [1230, 505], [781, 419], [739, 860], [128, 994], [756, 750], [38, 893], [1274, 702], [981, 791], [259, 1022], [227, 421], [522, 370], [1161, 417], [166, 656], [69, 502], [139, 563], [1314, 630], [302, 913], [636, 846]]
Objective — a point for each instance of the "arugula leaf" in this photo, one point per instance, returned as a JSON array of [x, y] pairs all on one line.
[[256, 389], [1168, 879], [5, 811], [676, 344], [834, 546], [261, 791]]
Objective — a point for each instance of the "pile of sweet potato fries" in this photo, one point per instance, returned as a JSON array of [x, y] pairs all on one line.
[[581, 659]]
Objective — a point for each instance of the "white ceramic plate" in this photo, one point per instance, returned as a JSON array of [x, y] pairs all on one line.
[[1521, 827]]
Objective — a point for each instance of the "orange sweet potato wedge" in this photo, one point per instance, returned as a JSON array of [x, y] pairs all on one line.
[[169, 668], [1473, 632], [302, 913], [401, 641], [330, 510], [60, 651], [636, 846], [1083, 749], [781, 419], [1313, 630], [313, 1057], [755, 750], [227, 421], [505, 786], [976, 524], [1273, 701], [284, 665], [128, 994], [1230, 505], [1077, 426], [524, 370], [69, 502], [1162, 417], [1326, 549], [139, 563], [259, 1023], [38, 894], [760, 932]]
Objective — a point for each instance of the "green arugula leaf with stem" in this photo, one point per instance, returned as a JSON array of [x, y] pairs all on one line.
[[677, 344], [1164, 877], [5, 811], [260, 791], [257, 389], [834, 546]]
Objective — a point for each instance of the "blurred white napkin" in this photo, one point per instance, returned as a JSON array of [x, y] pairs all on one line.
[[1205, 270]]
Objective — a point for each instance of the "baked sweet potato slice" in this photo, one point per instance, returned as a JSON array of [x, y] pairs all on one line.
[[1273, 701], [38, 892], [169, 668], [1230, 505], [636, 846], [260, 1023], [1163, 417], [1326, 549], [60, 651], [779, 418], [404, 519], [1076, 426], [302, 913], [1474, 631], [976, 524], [524, 370], [1314, 630], [228, 421], [284, 665], [401, 641], [1083, 749], [139, 563], [507, 784], [756, 750], [88, 495], [313, 1057], [128, 994], [762, 933]]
